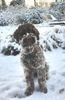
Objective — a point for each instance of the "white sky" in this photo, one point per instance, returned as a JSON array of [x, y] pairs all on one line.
[[8, 1]]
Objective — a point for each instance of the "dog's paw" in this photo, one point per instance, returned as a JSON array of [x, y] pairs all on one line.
[[44, 90], [29, 91]]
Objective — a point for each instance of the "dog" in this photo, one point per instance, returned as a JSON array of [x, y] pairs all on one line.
[[32, 57]]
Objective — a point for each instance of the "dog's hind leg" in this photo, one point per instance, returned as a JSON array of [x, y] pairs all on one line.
[[42, 80], [30, 82]]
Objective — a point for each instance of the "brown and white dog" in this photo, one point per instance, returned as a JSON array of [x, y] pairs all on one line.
[[32, 57]]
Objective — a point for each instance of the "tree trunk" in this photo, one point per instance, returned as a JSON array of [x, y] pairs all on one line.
[[35, 4], [56, 0], [3, 4]]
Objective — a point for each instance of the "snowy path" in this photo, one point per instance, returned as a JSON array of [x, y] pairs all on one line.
[[12, 83]]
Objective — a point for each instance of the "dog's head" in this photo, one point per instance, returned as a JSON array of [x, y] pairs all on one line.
[[26, 34]]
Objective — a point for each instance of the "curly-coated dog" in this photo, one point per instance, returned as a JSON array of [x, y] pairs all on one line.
[[32, 57]]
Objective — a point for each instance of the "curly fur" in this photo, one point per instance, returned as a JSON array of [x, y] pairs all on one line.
[[32, 57]]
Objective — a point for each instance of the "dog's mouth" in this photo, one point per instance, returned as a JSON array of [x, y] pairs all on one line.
[[28, 41]]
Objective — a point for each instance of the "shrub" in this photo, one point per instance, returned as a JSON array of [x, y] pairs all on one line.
[[10, 50]]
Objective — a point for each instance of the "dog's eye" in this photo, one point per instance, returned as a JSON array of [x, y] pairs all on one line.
[[25, 40]]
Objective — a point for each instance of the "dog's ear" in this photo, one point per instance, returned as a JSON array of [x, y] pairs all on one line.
[[18, 34], [35, 32]]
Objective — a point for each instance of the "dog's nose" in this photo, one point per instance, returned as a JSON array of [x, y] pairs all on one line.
[[29, 38]]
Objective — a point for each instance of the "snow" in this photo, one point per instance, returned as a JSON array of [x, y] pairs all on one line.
[[12, 80]]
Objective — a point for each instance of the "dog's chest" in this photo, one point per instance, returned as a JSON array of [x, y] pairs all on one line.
[[34, 59]]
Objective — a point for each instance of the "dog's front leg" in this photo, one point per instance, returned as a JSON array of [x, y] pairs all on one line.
[[47, 70], [41, 73], [30, 82]]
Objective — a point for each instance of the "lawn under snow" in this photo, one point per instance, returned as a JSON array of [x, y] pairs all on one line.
[[12, 80]]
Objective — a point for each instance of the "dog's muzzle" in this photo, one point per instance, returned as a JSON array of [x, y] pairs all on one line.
[[28, 40]]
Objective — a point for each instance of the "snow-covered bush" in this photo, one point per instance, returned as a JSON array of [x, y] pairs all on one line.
[[9, 16], [10, 50], [19, 14], [21, 19], [54, 39], [30, 15], [58, 10], [9, 46], [6, 17]]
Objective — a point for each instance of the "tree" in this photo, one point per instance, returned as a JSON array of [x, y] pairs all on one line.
[[3, 4], [17, 2], [55, 0], [35, 4]]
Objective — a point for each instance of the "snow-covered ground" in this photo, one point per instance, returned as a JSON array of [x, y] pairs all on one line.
[[12, 80]]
